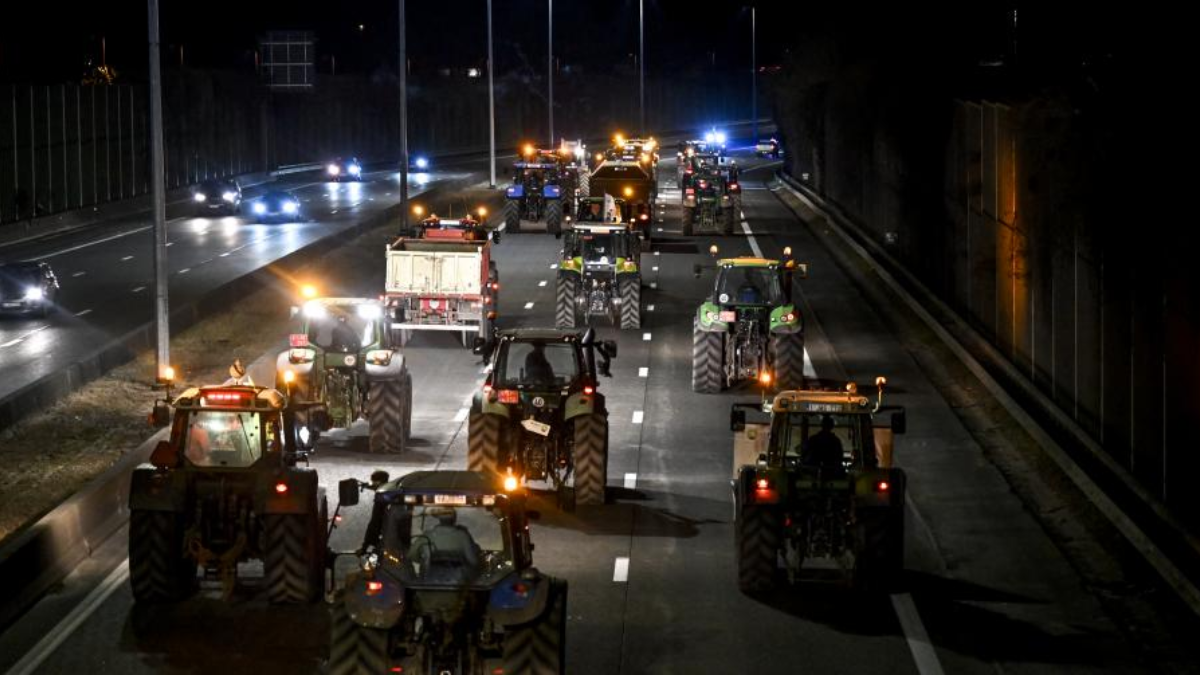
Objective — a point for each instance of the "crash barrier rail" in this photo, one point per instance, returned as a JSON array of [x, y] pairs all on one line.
[[1144, 521], [39, 557]]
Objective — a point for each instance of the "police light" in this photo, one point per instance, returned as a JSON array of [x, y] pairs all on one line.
[[422, 163]]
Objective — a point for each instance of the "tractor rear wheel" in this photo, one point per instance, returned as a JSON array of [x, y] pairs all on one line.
[[554, 212], [158, 568], [484, 440], [566, 288], [539, 648], [355, 649], [289, 547], [512, 216], [630, 287], [591, 458], [789, 360], [708, 350], [386, 414], [757, 532]]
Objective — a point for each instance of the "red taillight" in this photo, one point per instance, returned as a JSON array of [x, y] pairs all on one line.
[[882, 486], [589, 390], [689, 191], [281, 488], [510, 396], [733, 186], [374, 587], [644, 217], [520, 588], [763, 484], [396, 669]]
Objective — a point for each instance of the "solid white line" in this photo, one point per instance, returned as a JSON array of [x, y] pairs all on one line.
[[48, 644], [637, 416], [643, 372], [529, 305], [621, 570], [922, 650], [90, 243], [462, 414], [84, 312], [128, 257], [139, 289], [630, 481], [79, 274], [753, 244], [645, 337], [12, 342]]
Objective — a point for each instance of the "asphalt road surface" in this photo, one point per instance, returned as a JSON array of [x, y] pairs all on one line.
[[652, 574]]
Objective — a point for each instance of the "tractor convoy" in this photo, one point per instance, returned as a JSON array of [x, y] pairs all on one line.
[[444, 580]]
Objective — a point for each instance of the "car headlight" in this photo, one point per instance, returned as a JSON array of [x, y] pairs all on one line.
[[379, 357], [260, 208], [34, 293], [289, 207], [333, 169], [229, 196], [200, 197], [422, 163], [355, 169]]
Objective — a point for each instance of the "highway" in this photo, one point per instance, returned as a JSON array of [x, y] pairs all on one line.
[[652, 574]]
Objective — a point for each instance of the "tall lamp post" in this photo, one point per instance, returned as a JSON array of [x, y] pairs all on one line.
[[642, 71], [491, 101], [754, 72], [403, 123], [550, 68], [161, 315]]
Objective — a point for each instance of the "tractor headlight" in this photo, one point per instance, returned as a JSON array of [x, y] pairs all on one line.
[[379, 357], [229, 196], [355, 169], [200, 197], [290, 207], [34, 293], [333, 169], [260, 208]]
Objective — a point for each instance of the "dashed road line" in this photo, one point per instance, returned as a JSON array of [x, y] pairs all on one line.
[[12, 342], [529, 305], [643, 372], [645, 337], [638, 415], [461, 414], [184, 270], [630, 481], [128, 257], [753, 243], [649, 308], [915, 635], [542, 283], [139, 289], [79, 274], [84, 312], [554, 266], [621, 570]]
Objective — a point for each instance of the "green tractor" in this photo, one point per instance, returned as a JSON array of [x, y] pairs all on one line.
[[708, 204], [446, 583], [816, 483], [539, 416], [749, 328], [341, 365], [222, 490], [599, 275]]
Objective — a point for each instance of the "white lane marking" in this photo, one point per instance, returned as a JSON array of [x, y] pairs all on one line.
[[128, 257], [12, 342], [554, 266], [809, 371], [922, 650], [51, 642], [643, 372], [655, 268], [225, 254], [184, 270], [649, 308], [637, 416], [645, 337], [659, 229], [753, 244], [743, 214], [529, 305], [170, 243], [84, 312], [541, 283], [630, 481], [139, 289], [658, 253], [461, 414], [621, 570], [79, 274]]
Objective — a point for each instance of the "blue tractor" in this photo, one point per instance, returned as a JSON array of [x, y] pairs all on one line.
[[535, 195]]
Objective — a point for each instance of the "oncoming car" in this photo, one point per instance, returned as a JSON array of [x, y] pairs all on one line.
[[276, 206], [344, 169], [218, 196], [27, 287]]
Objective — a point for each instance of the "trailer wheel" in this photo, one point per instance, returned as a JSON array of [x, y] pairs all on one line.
[[591, 458], [354, 649], [707, 353], [566, 288], [630, 286]]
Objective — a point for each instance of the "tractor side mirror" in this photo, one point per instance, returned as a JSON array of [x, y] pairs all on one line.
[[160, 416], [348, 492], [737, 419], [164, 456], [899, 422]]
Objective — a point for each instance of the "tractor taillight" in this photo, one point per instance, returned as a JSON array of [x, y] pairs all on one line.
[[281, 488], [510, 396], [763, 484], [589, 390], [374, 587], [882, 486]]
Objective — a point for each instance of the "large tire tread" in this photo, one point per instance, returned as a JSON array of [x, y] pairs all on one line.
[[708, 375], [789, 360], [591, 458], [484, 441], [386, 414], [758, 543], [355, 649], [539, 648], [630, 287], [288, 566], [566, 288], [157, 566]]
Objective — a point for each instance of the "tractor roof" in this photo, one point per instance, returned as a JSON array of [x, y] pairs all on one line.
[[747, 261], [820, 402], [231, 397], [538, 334], [470, 482]]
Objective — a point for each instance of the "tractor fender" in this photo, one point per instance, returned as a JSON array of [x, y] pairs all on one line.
[[300, 496], [514, 191], [373, 609], [580, 403], [552, 191], [393, 369], [519, 598], [493, 407], [706, 318], [153, 490], [780, 324]]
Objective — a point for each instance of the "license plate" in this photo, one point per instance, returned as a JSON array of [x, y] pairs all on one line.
[[823, 407], [456, 500], [534, 426], [728, 316], [298, 340]]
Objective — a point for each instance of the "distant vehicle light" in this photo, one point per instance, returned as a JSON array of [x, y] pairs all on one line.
[[355, 169], [34, 293], [720, 137], [201, 197], [882, 486], [290, 207], [333, 169], [422, 163], [260, 208], [229, 196]]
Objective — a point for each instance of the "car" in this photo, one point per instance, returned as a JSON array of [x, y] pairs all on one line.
[[276, 206], [220, 195], [27, 287], [768, 147], [344, 169], [418, 163]]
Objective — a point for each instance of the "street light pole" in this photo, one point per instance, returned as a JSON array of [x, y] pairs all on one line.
[[403, 123], [754, 72], [491, 100], [158, 189], [642, 66], [550, 67]]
